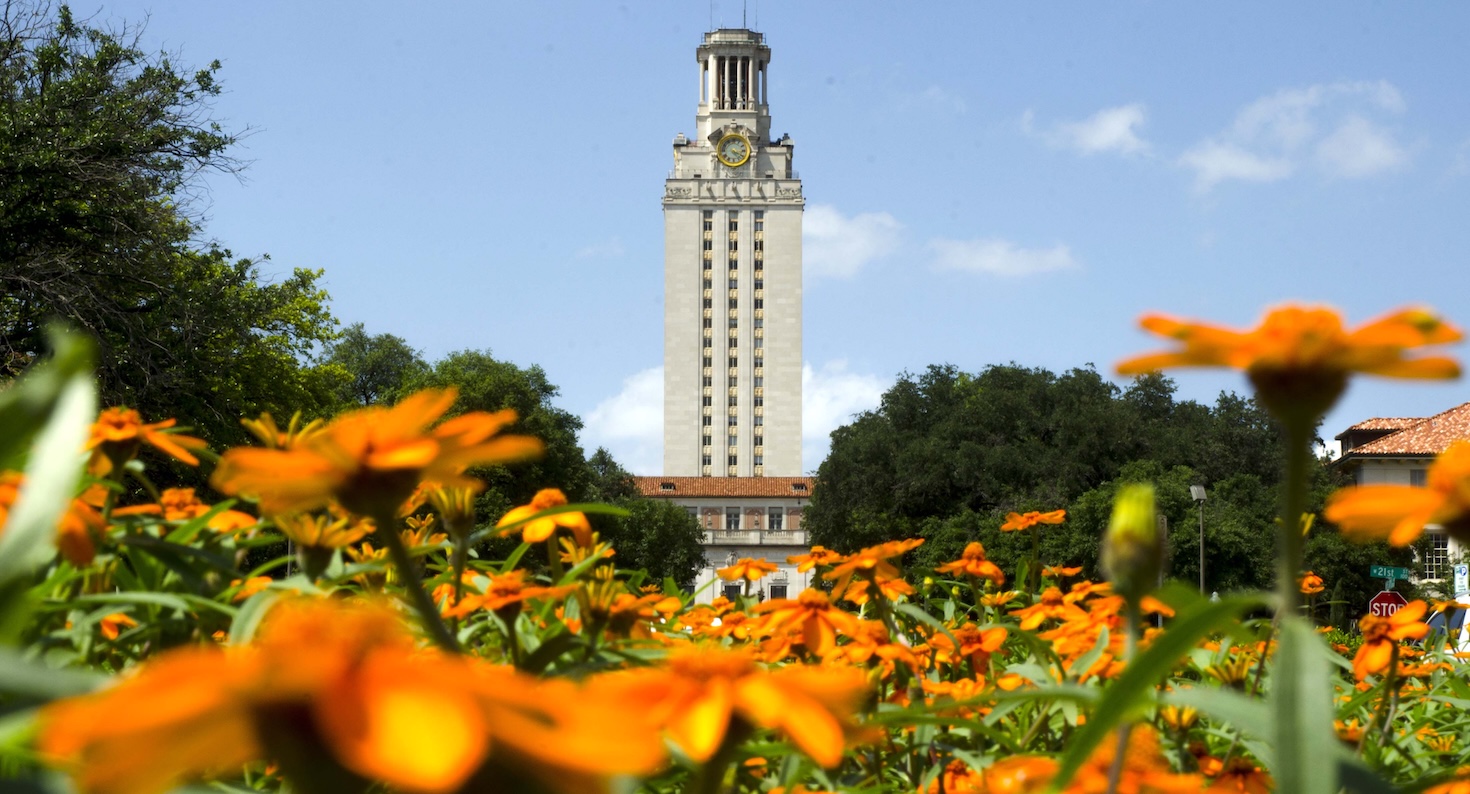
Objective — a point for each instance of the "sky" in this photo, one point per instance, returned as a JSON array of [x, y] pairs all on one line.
[[986, 183]]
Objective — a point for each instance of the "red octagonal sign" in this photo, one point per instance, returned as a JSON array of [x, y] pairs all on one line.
[[1386, 603]]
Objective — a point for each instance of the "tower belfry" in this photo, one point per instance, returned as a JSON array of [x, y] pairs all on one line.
[[732, 277]]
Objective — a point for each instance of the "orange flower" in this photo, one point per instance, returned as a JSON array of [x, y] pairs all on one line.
[[1016, 522], [249, 587], [372, 459], [1398, 513], [1060, 571], [332, 531], [813, 614], [1303, 353], [1051, 604], [1310, 583], [119, 433], [1381, 635], [872, 564], [78, 527], [819, 555], [1240, 776], [349, 674], [748, 568], [695, 698], [972, 562], [539, 529], [506, 594], [110, 625]]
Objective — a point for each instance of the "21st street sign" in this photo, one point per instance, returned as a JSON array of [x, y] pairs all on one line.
[[1386, 603], [1387, 572]]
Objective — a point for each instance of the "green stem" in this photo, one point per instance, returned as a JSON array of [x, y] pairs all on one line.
[[1134, 616], [1293, 505], [1290, 721], [413, 584], [1033, 578]]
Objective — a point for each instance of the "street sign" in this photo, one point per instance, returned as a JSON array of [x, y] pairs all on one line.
[[1387, 572], [1386, 603], [1462, 579]]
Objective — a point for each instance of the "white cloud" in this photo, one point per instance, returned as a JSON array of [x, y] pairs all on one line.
[[1358, 148], [607, 249], [1215, 162], [836, 245], [830, 396], [1000, 257], [1460, 166], [631, 423], [1108, 130], [1330, 122]]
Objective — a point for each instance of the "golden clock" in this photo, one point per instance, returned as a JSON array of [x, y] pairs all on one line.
[[733, 150]]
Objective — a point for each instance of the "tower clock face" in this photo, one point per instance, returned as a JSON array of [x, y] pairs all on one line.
[[733, 150]]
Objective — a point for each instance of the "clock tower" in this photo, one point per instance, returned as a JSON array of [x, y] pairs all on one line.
[[732, 277]]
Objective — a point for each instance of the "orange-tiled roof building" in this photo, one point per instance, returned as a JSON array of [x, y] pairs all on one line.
[[1398, 451], [758, 517]]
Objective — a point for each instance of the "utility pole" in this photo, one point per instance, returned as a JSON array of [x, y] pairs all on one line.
[[1198, 493]]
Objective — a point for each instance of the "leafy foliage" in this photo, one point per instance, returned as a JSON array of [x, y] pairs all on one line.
[[100, 144]]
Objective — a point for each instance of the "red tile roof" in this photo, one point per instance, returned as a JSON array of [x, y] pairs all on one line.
[[1424, 437], [667, 487], [1385, 423]]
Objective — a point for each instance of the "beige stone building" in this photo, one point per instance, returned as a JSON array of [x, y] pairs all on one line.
[[1398, 451], [757, 517], [732, 277], [732, 323]]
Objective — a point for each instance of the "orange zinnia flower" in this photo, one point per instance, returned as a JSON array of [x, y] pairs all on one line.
[[972, 562], [111, 625], [119, 433], [331, 531], [872, 564], [539, 529], [819, 555], [1398, 513], [748, 568], [1016, 522], [1051, 604], [372, 459], [813, 615], [76, 530], [351, 675], [1381, 635], [1310, 583], [505, 594], [695, 698], [1303, 353]]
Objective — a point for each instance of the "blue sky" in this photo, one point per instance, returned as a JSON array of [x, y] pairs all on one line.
[[986, 183]]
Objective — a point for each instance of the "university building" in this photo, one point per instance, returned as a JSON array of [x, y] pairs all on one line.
[[732, 320], [1398, 451]]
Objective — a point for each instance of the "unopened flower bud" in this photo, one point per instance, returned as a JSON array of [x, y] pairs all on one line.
[[1133, 547]]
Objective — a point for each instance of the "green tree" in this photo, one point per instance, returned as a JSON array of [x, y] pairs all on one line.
[[658, 536], [100, 146], [486, 384], [379, 365]]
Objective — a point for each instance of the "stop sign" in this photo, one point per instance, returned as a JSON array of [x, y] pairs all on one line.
[[1386, 603]]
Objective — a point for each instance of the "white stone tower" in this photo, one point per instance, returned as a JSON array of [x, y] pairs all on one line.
[[732, 278]]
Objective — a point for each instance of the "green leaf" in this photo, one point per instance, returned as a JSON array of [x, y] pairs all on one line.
[[33, 679], [927, 619], [247, 620], [55, 465], [1301, 704], [1251, 716], [1135, 685]]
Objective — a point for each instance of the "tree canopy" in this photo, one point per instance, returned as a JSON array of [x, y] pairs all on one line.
[[101, 144], [948, 453]]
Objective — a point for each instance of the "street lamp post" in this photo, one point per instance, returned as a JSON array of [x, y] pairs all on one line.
[[1197, 492]]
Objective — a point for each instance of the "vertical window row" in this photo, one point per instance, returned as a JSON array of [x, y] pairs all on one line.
[[707, 245], [732, 255]]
